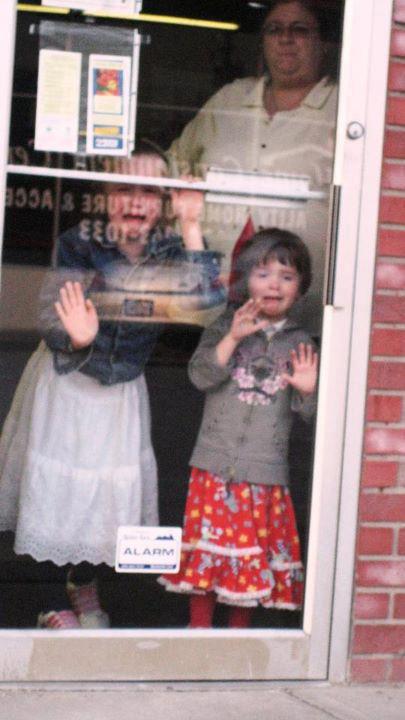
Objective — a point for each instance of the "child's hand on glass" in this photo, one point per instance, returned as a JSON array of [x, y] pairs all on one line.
[[304, 369], [187, 204], [77, 315], [246, 320], [187, 207]]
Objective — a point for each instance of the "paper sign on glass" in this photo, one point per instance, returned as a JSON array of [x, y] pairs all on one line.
[[124, 6], [108, 104], [148, 549], [58, 101]]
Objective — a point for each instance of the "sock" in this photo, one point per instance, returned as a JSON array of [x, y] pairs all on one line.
[[202, 610], [240, 617]]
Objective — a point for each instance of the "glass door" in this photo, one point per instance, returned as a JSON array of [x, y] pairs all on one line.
[[148, 153]]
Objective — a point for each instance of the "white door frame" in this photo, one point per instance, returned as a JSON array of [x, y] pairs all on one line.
[[369, 200], [29, 655]]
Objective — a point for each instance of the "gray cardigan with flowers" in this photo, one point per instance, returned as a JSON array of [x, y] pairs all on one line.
[[248, 411]]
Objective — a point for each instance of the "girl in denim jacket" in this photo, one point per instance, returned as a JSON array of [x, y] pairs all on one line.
[[257, 367], [76, 459]]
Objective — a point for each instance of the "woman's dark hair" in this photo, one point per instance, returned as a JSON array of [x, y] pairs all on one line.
[[327, 14], [265, 245]]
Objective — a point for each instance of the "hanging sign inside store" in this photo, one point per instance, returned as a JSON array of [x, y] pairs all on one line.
[[58, 101], [108, 104], [119, 6], [148, 549]]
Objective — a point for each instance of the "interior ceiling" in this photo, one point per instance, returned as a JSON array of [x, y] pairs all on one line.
[[247, 13]]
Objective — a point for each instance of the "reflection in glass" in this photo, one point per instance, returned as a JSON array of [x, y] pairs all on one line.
[[280, 122]]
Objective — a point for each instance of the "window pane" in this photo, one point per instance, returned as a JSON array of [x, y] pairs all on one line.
[[104, 420]]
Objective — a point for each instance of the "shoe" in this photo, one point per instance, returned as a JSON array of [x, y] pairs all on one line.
[[58, 620], [86, 606]]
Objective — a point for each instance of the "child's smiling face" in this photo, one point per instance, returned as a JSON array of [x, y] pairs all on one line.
[[276, 287], [135, 209]]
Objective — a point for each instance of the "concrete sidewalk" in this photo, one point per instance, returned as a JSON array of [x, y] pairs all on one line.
[[226, 701]]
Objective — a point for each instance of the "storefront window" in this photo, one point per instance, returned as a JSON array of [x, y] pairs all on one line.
[[145, 158]]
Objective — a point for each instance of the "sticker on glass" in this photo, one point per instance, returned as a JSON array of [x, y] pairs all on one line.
[[148, 549]]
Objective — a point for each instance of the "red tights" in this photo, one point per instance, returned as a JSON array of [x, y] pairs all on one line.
[[202, 610]]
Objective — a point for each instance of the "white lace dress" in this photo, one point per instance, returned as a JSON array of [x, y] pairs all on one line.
[[76, 462]]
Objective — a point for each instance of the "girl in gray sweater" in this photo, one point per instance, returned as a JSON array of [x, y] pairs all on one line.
[[257, 367]]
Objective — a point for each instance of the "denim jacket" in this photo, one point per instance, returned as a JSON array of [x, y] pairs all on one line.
[[249, 408], [121, 349]]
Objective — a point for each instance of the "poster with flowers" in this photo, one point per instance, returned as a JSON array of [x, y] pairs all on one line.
[[108, 104]]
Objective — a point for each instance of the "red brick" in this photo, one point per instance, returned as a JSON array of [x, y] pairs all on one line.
[[371, 606], [391, 242], [397, 673], [390, 276], [394, 146], [396, 77], [380, 573], [375, 541], [384, 408], [389, 309], [398, 43], [399, 606], [379, 639], [401, 542], [392, 209], [384, 441], [368, 670], [382, 507], [388, 342], [379, 474], [393, 176], [399, 11], [384, 375], [396, 111]]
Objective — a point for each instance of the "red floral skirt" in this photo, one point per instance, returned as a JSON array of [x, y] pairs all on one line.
[[240, 541]]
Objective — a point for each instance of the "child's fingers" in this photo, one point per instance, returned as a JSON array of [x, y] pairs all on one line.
[[71, 295], [67, 296], [64, 299], [294, 358], [60, 311], [190, 178], [304, 355], [78, 290], [244, 309], [71, 292]]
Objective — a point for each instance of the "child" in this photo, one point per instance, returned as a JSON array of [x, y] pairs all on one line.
[[76, 459], [257, 367]]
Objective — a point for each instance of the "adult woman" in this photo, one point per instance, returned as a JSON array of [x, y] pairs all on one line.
[[281, 122]]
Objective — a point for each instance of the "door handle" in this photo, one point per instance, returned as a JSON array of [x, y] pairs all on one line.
[[332, 252]]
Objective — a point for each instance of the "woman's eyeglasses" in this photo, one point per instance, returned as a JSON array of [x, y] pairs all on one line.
[[296, 30]]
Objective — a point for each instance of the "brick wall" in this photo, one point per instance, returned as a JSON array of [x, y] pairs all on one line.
[[378, 638]]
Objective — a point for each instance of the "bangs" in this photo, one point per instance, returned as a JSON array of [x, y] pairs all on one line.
[[283, 255]]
